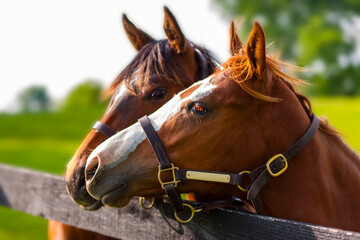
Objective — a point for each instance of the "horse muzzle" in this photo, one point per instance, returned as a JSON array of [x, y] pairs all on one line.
[[76, 187]]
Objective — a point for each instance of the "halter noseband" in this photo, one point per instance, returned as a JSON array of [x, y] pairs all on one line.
[[104, 129], [274, 167]]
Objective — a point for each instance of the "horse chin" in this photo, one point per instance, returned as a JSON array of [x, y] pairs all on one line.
[[93, 207], [116, 198]]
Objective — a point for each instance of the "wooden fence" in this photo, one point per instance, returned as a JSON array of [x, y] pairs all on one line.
[[44, 195]]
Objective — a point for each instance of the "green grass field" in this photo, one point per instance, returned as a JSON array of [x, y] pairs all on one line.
[[344, 115], [47, 141], [44, 142]]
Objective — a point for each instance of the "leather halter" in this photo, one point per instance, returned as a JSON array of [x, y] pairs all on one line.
[[104, 129], [165, 164], [274, 167]]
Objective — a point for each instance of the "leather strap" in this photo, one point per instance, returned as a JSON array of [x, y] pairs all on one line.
[[104, 129], [164, 162], [261, 175], [232, 203], [175, 198], [155, 142]]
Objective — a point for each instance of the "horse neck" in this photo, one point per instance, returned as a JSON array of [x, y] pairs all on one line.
[[316, 182]]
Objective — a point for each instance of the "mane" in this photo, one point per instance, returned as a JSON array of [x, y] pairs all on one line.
[[242, 70], [156, 58]]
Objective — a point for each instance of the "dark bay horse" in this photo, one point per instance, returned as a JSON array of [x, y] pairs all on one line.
[[247, 116], [159, 70]]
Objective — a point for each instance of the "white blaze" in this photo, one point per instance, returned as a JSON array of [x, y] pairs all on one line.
[[173, 106], [119, 95]]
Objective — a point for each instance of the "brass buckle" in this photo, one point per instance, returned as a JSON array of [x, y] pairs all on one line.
[[240, 187], [141, 201], [172, 169], [273, 159], [193, 211]]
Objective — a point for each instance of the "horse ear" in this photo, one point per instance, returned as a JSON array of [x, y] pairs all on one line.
[[173, 32], [255, 49], [235, 42], [137, 37]]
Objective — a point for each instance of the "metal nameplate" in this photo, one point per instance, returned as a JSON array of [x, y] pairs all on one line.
[[210, 177]]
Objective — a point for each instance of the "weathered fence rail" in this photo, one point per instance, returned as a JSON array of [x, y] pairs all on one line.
[[44, 195]]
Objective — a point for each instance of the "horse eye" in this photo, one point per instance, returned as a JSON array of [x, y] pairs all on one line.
[[158, 93], [197, 108]]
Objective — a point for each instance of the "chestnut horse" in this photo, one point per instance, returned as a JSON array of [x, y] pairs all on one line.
[[159, 70], [236, 120]]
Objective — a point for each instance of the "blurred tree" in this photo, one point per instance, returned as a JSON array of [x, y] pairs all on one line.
[[84, 96], [34, 99], [321, 35]]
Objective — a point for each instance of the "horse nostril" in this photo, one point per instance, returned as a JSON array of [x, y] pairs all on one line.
[[82, 183], [91, 169]]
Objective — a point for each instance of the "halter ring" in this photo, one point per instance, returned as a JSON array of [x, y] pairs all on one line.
[[193, 211], [141, 201], [241, 188]]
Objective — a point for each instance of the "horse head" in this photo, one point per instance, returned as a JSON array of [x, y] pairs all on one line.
[[234, 120], [160, 69]]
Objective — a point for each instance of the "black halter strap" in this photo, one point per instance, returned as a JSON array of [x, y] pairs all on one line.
[[277, 164], [104, 129], [274, 167], [164, 162]]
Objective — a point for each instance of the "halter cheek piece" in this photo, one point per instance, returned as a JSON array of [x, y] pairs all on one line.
[[274, 167]]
